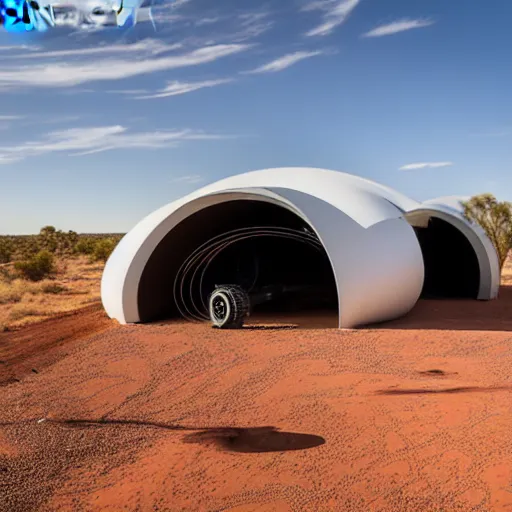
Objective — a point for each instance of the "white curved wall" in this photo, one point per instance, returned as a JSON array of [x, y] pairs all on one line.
[[371, 281], [364, 201], [374, 252], [379, 270], [450, 210]]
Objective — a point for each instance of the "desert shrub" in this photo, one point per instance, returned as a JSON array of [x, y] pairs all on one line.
[[10, 294], [85, 246], [21, 311], [6, 250], [37, 267], [61, 244], [495, 218], [6, 274], [103, 249], [14, 291], [53, 288]]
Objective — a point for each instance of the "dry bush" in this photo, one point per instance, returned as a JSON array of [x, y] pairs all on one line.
[[74, 278], [53, 288], [60, 243], [13, 292], [103, 249], [6, 250], [37, 267], [22, 311]]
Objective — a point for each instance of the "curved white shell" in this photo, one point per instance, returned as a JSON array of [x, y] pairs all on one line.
[[365, 228]]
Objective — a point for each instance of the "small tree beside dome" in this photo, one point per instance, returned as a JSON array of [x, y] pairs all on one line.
[[495, 218]]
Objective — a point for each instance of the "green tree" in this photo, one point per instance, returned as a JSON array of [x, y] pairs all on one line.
[[495, 218], [85, 245], [103, 249], [47, 231]]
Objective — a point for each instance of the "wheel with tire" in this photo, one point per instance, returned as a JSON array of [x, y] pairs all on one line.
[[228, 306]]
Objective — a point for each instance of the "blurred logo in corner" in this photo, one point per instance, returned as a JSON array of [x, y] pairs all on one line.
[[33, 15]]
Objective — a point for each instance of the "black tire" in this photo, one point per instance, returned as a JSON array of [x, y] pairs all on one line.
[[228, 306]]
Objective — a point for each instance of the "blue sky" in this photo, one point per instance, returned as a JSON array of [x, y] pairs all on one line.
[[99, 129]]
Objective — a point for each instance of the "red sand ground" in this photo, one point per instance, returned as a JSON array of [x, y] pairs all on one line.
[[415, 415]]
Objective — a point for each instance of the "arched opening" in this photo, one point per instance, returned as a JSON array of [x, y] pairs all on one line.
[[263, 247], [451, 264]]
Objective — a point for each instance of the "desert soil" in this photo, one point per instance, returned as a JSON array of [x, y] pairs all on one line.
[[78, 279], [414, 415]]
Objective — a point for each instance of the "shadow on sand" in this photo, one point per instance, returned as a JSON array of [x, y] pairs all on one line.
[[467, 389], [457, 315], [279, 321], [241, 440], [269, 327], [254, 440]]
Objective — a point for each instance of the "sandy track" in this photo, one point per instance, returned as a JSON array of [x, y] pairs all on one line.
[[404, 417], [38, 345]]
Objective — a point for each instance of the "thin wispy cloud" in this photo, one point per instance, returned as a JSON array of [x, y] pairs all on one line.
[[7, 121], [146, 46], [84, 141], [398, 26], [10, 48], [335, 13], [251, 25], [284, 62], [207, 21], [71, 74], [10, 118], [9, 159], [177, 88], [179, 3], [425, 165]]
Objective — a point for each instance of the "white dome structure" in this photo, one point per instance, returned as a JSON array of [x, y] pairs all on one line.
[[375, 249]]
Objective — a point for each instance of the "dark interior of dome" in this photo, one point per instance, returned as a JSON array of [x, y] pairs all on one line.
[[255, 244], [451, 264]]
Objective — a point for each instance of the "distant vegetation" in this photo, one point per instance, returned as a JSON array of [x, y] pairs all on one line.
[[50, 273], [34, 256], [495, 218]]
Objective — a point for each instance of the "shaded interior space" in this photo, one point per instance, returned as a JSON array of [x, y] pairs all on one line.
[[265, 248], [451, 265]]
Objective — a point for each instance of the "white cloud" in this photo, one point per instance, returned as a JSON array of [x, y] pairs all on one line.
[[284, 62], [179, 3], [424, 165], [335, 13], [83, 141], [130, 92], [250, 25], [10, 118], [6, 121], [397, 26], [188, 180], [9, 159], [70, 74], [176, 88], [149, 46], [207, 21], [17, 47]]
